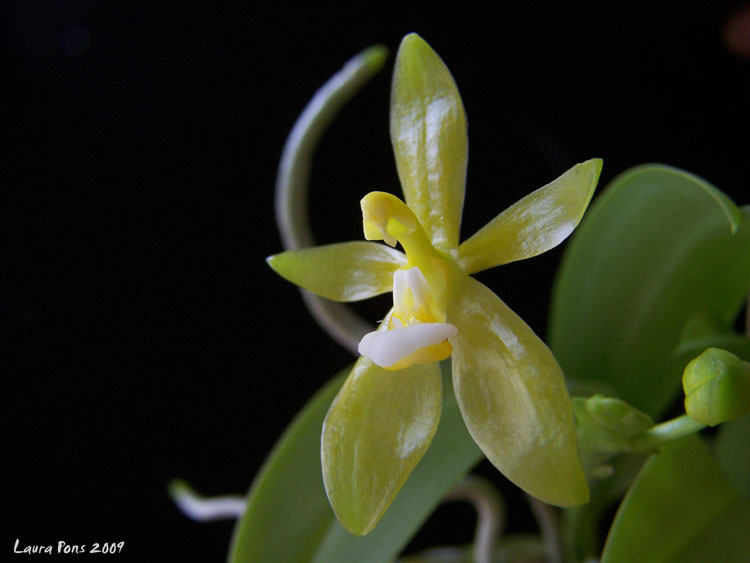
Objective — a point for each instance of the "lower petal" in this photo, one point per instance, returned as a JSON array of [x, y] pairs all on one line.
[[513, 398], [376, 431]]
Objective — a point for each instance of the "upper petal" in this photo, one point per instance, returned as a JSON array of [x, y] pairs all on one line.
[[513, 398], [376, 431], [428, 133], [348, 271], [535, 224]]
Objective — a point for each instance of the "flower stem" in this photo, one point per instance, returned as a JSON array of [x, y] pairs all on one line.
[[490, 513], [293, 179], [667, 432], [549, 526]]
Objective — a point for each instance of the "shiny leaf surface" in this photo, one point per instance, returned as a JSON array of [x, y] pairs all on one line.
[[738, 344], [513, 398], [428, 133], [535, 224], [681, 508], [347, 271], [288, 514], [654, 249], [733, 452]]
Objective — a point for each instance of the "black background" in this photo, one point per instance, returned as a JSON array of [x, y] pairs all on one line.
[[149, 340]]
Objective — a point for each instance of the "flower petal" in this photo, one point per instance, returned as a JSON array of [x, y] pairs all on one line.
[[428, 133], [387, 348], [513, 398], [535, 224], [348, 271], [376, 431]]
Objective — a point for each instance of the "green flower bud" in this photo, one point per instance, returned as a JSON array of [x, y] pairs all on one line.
[[717, 387]]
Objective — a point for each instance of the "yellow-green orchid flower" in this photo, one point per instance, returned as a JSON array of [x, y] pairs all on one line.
[[509, 387]]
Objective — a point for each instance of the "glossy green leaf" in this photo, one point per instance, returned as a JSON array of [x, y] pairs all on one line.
[[733, 452], [513, 397], [378, 428], [288, 514], [289, 519], [654, 249], [535, 224], [701, 324], [581, 525], [428, 133], [738, 344], [681, 508], [347, 271]]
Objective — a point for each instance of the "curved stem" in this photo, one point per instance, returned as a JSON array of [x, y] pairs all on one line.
[[549, 526], [667, 432], [490, 513], [293, 179]]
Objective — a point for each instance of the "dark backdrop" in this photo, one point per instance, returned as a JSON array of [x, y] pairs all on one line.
[[148, 339]]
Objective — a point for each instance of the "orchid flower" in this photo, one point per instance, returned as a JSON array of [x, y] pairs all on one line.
[[508, 385]]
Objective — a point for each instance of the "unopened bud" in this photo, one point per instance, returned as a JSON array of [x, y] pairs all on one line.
[[717, 387]]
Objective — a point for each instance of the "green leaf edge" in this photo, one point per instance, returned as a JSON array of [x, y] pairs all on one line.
[[730, 209], [726, 491], [283, 447], [733, 452]]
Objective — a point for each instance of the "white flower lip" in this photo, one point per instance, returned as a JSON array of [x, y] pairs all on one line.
[[386, 347]]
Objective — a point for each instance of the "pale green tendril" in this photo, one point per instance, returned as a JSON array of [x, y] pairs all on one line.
[[293, 180], [549, 526], [490, 513]]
